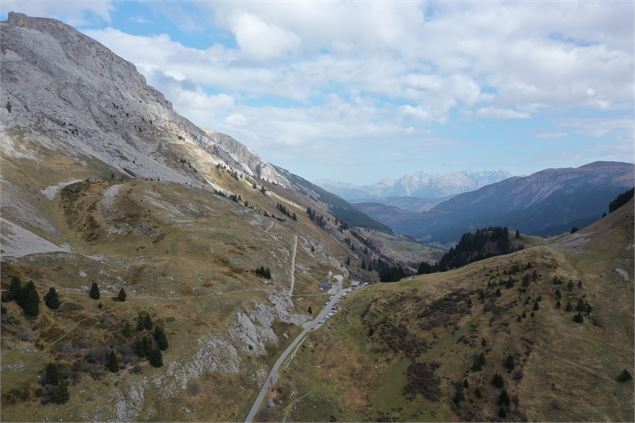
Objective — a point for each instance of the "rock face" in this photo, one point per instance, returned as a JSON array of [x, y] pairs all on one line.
[[83, 100]]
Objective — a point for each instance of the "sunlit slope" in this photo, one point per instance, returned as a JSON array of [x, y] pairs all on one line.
[[410, 350]]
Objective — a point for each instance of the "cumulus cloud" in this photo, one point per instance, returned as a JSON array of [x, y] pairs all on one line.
[[302, 73], [261, 40]]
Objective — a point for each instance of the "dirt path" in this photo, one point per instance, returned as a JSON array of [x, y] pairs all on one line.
[[272, 223], [295, 250], [75, 326]]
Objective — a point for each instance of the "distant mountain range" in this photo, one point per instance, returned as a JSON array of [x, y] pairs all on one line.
[[421, 185], [544, 203]]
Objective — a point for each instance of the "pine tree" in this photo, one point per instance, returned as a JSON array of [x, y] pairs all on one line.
[[94, 291], [503, 398], [536, 306], [517, 234], [509, 363], [127, 330], [568, 308], [578, 318], [498, 381], [59, 393], [478, 363], [625, 376], [498, 292], [310, 310], [112, 364], [155, 357], [160, 338], [122, 295], [15, 288], [30, 300], [52, 374], [51, 299]]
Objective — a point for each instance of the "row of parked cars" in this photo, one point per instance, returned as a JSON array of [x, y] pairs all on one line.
[[335, 306]]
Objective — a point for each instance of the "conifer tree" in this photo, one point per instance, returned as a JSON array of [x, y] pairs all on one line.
[[479, 362], [509, 363], [112, 364], [52, 374], [15, 288], [59, 393], [160, 338], [498, 381], [625, 376], [94, 291], [127, 330], [155, 357], [578, 318], [30, 300], [122, 295], [51, 299]]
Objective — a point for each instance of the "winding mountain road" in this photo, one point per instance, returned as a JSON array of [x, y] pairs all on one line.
[[308, 326]]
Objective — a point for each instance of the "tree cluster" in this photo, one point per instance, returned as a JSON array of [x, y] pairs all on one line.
[[318, 219], [284, 210], [482, 244], [620, 200], [25, 296], [54, 387], [263, 272]]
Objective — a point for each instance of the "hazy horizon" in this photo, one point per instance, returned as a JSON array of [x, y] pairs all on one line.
[[358, 93]]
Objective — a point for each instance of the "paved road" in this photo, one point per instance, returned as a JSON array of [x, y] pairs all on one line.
[[308, 326]]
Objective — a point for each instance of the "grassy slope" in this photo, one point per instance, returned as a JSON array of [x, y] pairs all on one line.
[[185, 255], [564, 370]]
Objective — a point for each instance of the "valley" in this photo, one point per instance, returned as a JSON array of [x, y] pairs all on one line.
[[154, 270]]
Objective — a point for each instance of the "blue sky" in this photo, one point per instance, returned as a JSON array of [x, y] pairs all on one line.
[[359, 92]]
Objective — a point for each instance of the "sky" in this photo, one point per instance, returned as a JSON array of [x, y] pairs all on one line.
[[358, 91]]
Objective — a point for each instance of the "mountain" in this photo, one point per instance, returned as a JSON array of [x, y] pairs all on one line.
[[545, 203], [542, 334], [104, 184], [422, 185]]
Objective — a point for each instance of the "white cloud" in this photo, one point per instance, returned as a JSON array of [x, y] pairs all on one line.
[[498, 113], [347, 72], [261, 40], [236, 119]]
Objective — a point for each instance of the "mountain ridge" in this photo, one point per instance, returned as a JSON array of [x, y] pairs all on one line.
[[420, 185], [544, 203]]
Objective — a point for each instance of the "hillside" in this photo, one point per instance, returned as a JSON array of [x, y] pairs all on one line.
[[430, 347], [339, 207], [104, 183], [545, 203]]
